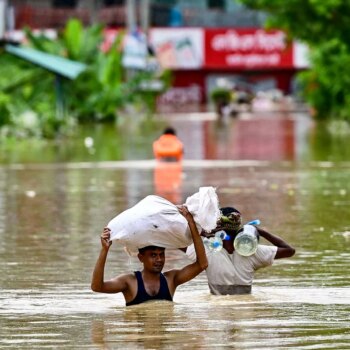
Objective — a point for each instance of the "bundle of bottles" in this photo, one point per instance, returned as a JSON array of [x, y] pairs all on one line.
[[245, 243]]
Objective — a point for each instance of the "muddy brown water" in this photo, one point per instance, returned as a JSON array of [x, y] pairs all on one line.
[[53, 208]]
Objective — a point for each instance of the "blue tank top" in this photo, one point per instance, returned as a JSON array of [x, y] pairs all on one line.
[[142, 295]]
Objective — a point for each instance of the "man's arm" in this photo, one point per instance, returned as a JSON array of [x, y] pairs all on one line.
[[284, 250], [190, 271], [115, 285]]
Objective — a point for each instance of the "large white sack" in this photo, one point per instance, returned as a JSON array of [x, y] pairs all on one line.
[[204, 206], [152, 221], [156, 221]]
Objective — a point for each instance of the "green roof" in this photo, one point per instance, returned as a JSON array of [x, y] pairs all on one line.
[[55, 64]]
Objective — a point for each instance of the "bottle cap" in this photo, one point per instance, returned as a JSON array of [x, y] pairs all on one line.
[[216, 244], [254, 222]]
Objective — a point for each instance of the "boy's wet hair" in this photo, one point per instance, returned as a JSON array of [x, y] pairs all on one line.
[[149, 247], [230, 220]]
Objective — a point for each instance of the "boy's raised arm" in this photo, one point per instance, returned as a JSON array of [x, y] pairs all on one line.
[[192, 270], [115, 285]]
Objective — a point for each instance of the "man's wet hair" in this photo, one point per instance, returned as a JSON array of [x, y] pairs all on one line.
[[169, 131], [149, 247], [228, 210]]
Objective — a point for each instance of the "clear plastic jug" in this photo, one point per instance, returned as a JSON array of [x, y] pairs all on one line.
[[246, 242]]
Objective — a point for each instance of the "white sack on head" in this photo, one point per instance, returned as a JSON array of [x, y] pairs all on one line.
[[204, 206], [152, 221], [156, 221]]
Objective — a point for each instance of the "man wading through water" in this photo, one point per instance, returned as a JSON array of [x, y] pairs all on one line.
[[150, 283], [230, 273]]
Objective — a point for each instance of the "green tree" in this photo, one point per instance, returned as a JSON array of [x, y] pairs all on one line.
[[22, 87], [99, 92], [27, 99], [324, 26]]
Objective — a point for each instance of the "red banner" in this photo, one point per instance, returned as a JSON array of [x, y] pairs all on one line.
[[246, 49]]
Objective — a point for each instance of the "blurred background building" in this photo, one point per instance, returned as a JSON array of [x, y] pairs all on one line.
[[164, 13], [205, 43]]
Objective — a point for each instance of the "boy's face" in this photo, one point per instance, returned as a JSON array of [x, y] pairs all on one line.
[[153, 259]]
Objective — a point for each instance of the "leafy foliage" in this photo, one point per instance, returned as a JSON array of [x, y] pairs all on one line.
[[96, 95], [23, 86], [313, 21], [327, 85], [324, 26]]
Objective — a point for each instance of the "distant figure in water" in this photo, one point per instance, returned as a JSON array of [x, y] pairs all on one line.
[[168, 148], [150, 283], [231, 273]]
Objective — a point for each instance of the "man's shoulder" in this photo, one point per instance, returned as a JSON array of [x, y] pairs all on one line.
[[129, 276], [264, 256], [170, 273], [262, 252], [266, 249]]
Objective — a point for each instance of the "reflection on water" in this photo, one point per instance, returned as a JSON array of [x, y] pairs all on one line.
[[168, 180], [274, 137], [52, 215]]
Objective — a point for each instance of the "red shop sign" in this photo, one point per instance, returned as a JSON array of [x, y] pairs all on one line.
[[247, 49]]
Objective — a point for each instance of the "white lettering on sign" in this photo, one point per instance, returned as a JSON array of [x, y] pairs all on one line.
[[253, 60], [257, 41], [188, 94]]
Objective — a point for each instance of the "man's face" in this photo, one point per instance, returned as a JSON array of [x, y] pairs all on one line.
[[153, 259]]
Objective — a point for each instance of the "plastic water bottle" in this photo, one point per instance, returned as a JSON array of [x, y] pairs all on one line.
[[246, 242], [222, 235], [254, 222], [213, 243]]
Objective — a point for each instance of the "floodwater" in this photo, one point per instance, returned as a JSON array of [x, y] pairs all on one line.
[[283, 169]]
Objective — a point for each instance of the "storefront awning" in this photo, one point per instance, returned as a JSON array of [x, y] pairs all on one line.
[[55, 64]]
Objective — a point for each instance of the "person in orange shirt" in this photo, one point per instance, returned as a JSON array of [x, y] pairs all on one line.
[[168, 147], [168, 150]]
